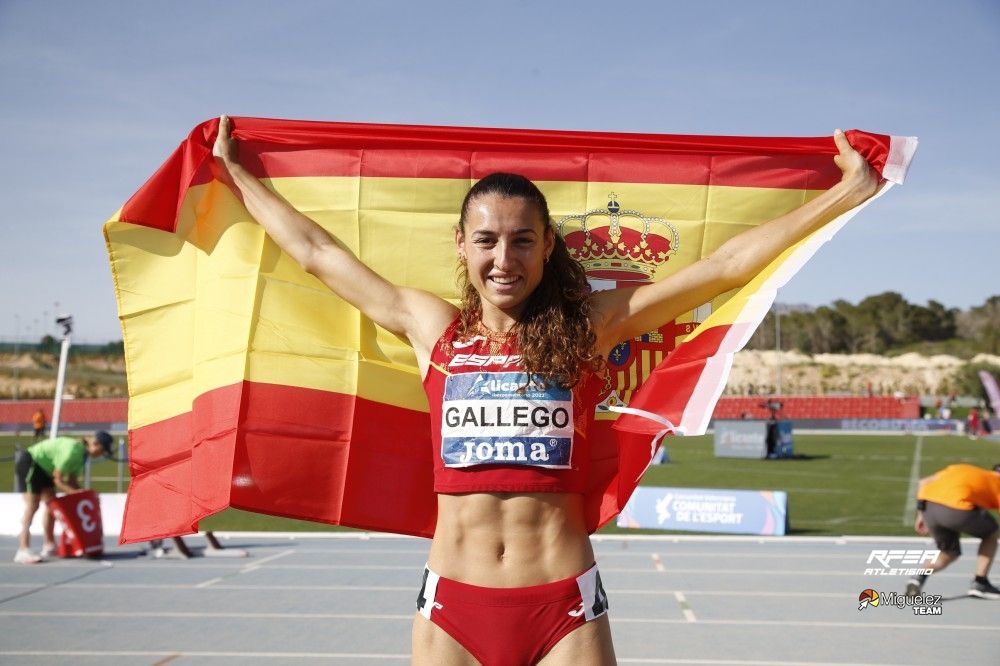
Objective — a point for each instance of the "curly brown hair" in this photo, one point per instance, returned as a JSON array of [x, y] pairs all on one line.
[[555, 337]]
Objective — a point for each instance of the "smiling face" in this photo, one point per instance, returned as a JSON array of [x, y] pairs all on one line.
[[504, 241]]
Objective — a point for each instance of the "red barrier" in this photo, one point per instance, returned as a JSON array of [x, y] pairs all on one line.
[[80, 517], [820, 407], [99, 411]]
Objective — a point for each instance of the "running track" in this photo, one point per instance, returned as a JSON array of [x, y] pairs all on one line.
[[349, 599]]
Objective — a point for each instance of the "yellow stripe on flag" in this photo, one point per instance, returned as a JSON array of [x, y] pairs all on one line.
[[218, 274]]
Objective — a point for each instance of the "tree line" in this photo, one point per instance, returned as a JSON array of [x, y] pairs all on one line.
[[884, 323]]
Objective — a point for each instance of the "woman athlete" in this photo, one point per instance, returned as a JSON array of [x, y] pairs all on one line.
[[510, 577]]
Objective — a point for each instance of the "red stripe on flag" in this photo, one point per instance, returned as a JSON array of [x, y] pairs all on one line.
[[329, 458], [288, 148], [287, 449], [320, 456], [781, 171]]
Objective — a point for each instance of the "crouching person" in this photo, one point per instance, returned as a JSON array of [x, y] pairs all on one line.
[[43, 469]]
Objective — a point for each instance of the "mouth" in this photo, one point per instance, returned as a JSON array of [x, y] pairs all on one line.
[[504, 283]]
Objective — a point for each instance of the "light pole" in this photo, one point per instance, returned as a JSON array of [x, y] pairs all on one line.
[[66, 321], [17, 350]]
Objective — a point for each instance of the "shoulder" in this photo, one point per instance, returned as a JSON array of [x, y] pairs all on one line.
[[430, 316], [443, 344]]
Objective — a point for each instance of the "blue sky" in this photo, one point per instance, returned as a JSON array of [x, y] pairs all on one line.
[[97, 94]]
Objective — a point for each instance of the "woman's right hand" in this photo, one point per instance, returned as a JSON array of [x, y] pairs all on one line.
[[226, 148]]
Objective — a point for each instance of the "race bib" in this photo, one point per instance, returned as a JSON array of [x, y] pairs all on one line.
[[487, 420]]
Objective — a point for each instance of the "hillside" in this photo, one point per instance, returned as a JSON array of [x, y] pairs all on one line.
[[87, 376], [756, 371], [753, 372]]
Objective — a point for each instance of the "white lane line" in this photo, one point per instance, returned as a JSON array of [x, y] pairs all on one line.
[[860, 557], [746, 662], [796, 623], [910, 508], [277, 588], [657, 562], [202, 653], [415, 569], [259, 563], [337, 550], [209, 614], [685, 607], [608, 552], [371, 655], [209, 582], [409, 588], [393, 589], [353, 535], [739, 593], [254, 566], [596, 538], [409, 618]]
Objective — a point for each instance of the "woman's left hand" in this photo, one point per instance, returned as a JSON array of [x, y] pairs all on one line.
[[225, 147], [856, 175]]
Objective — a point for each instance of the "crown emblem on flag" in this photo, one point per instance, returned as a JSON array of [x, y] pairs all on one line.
[[615, 243]]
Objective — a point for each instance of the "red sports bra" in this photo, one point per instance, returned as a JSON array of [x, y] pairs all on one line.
[[490, 436]]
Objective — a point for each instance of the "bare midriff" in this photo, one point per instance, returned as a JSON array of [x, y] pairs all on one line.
[[510, 539]]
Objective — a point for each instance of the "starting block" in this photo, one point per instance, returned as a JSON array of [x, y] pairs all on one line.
[[181, 550]]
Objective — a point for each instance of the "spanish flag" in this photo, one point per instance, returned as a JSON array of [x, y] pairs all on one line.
[[251, 385]]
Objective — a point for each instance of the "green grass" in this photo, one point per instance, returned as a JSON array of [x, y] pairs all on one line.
[[838, 484]]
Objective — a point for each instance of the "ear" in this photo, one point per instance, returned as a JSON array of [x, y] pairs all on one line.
[[550, 240], [460, 243]]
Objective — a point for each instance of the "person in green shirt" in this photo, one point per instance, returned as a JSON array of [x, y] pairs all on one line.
[[43, 469]]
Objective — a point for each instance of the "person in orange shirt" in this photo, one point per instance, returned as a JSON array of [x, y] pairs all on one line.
[[38, 423], [953, 501]]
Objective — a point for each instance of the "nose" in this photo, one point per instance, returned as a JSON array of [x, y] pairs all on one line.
[[503, 256]]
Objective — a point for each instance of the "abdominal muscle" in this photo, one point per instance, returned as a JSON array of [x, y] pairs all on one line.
[[510, 539]]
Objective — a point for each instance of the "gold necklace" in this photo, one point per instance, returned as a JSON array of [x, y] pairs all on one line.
[[497, 340]]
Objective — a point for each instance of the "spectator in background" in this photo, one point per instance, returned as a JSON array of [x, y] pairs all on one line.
[[953, 501], [972, 425], [44, 468], [38, 423]]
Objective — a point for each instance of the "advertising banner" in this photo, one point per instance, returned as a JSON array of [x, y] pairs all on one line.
[[763, 512]]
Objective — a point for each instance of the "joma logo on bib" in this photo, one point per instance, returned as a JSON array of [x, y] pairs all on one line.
[[498, 418], [502, 450]]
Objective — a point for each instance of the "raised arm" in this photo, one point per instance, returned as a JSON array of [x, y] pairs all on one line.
[[414, 314], [625, 313]]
